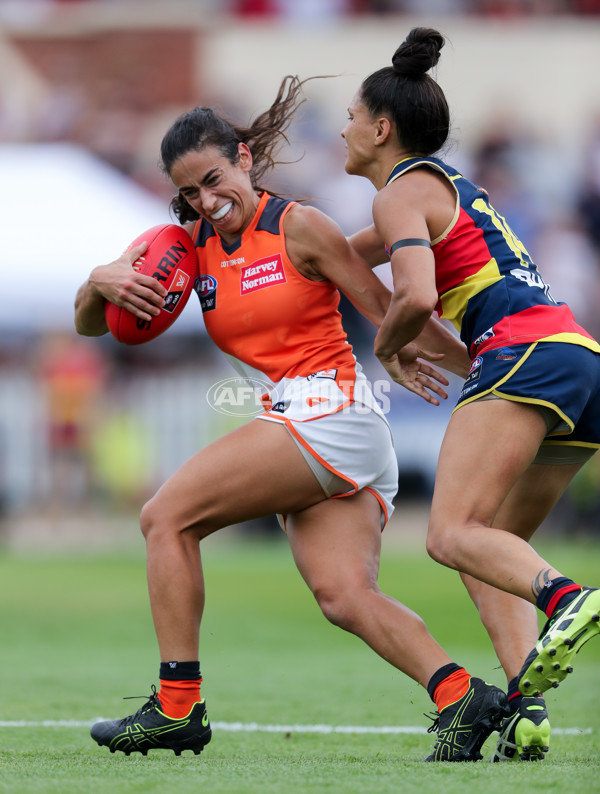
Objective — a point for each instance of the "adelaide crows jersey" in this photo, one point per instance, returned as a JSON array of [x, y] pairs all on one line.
[[487, 284]]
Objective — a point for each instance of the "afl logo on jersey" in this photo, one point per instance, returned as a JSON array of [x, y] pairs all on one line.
[[206, 287]]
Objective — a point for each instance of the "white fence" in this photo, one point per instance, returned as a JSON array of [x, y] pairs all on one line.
[[167, 418]]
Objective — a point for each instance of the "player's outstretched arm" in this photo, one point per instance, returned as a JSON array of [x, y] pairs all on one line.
[[368, 244], [436, 336], [318, 248]]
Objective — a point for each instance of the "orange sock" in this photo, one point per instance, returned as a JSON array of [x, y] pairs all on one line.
[[451, 689], [178, 697]]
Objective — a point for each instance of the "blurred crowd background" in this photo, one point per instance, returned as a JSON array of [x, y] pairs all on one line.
[[89, 427]]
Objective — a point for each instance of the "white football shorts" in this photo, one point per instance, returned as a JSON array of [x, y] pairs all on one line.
[[347, 444]]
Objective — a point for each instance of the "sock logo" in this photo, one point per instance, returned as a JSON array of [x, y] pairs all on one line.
[[172, 665]]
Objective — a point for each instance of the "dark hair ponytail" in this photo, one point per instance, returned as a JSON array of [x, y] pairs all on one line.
[[203, 127], [413, 100]]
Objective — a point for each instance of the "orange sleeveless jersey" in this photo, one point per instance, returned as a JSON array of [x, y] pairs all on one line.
[[260, 310]]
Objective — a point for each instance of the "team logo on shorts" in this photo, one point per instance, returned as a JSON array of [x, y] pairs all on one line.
[[206, 288], [505, 354]]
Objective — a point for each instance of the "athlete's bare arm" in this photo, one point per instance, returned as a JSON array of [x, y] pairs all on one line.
[[368, 244], [318, 249], [120, 283], [435, 336], [419, 205]]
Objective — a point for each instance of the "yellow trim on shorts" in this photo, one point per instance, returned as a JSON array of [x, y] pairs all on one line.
[[559, 443], [492, 389], [527, 400], [544, 404]]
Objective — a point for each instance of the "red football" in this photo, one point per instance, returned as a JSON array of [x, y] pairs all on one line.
[[171, 259]]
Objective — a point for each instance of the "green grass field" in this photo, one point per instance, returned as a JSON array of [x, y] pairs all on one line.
[[76, 636]]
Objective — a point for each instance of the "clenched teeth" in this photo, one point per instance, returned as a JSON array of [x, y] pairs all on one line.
[[221, 213]]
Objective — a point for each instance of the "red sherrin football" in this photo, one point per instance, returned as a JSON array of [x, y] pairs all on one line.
[[171, 259]]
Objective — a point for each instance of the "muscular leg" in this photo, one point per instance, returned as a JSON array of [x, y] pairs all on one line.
[[336, 545], [254, 471], [511, 622], [487, 448]]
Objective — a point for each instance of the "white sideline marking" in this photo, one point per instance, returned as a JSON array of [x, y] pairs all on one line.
[[253, 727]]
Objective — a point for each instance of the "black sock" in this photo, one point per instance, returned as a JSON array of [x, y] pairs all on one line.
[[556, 594], [180, 671], [513, 694]]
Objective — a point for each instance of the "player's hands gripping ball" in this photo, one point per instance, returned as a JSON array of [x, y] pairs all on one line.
[[170, 258]]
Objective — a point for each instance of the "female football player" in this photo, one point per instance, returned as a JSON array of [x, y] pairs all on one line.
[[528, 416], [321, 454]]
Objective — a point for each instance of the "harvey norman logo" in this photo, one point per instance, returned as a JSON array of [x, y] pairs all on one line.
[[262, 273]]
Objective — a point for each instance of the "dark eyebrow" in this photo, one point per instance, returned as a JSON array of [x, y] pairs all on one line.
[[209, 174], [203, 181]]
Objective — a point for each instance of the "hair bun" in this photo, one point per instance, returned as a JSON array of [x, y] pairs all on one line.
[[419, 52]]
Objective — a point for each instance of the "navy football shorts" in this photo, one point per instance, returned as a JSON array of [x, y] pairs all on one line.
[[562, 380]]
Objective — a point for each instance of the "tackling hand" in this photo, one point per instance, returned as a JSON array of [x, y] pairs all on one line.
[[408, 368]]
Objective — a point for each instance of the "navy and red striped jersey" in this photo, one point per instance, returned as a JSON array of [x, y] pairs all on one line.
[[488, 286]]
